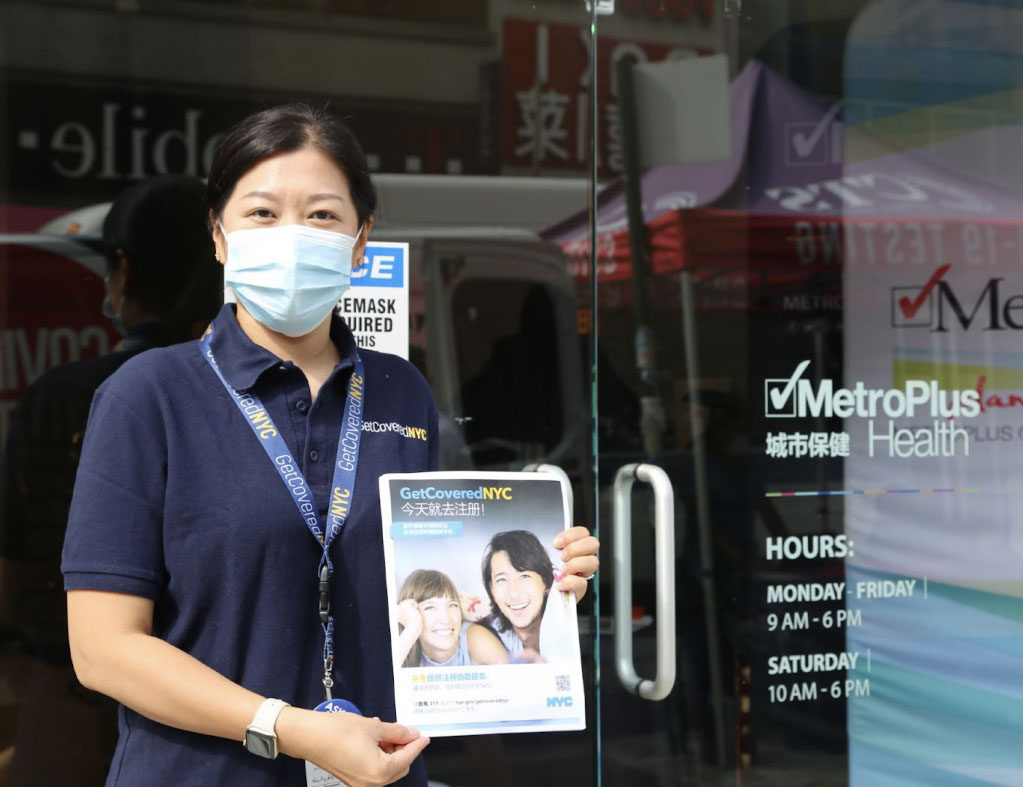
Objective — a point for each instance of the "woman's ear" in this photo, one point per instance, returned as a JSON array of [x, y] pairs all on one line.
[[359, 252], [219, 241]]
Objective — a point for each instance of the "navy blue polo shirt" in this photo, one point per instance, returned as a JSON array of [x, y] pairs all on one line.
[[176, 501]]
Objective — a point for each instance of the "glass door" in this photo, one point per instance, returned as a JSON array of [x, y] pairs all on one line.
[[806, 364]]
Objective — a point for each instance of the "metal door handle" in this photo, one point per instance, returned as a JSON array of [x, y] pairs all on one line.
[[555, 470], [664, 549]]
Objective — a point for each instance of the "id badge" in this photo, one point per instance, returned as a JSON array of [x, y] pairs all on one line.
[[315, 776]]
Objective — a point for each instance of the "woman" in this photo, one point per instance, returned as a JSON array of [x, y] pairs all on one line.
[[197, 596], [432, 631], [518, 576]]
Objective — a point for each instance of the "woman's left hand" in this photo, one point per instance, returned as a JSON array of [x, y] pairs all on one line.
[[578, 551]]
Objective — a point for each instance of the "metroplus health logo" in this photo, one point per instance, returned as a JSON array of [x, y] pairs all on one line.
[[796, 396], [914, 307], [987, 304], [779, 398]]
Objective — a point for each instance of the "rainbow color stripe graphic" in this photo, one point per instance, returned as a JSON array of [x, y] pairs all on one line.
[[829, 492]]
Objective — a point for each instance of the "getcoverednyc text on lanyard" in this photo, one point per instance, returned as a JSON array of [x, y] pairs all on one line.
[[342, 488]]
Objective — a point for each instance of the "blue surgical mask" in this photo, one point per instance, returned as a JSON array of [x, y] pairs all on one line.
[[114, 317], [289, 278]]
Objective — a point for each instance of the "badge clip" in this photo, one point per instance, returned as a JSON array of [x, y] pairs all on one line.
[[328, 677], [324, 594]]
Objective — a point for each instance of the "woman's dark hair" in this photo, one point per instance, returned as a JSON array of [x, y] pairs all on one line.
[[159, 224], [284, 129], [525, 553]]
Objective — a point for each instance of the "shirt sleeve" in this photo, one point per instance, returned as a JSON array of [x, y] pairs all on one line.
[[114, 537]]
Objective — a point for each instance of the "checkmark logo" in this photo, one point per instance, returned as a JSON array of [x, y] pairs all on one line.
[[777, 395], [804, 144], [910, 306]]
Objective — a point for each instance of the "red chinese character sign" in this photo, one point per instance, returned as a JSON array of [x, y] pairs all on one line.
[[545, 112]]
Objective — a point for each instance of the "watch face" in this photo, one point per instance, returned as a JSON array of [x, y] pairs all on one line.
[[261, 744]]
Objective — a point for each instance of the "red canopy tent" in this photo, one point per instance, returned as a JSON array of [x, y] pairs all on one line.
[[787, 205]]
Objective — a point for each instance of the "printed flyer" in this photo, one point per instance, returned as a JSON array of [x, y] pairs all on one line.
[[482, 641]]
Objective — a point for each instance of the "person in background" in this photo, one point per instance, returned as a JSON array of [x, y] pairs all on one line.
[[163, 283], [162, 286]]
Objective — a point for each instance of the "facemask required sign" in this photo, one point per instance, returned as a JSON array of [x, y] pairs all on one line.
[[376, 307]]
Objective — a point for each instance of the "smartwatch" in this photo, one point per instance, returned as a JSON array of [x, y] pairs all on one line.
[[260, 737]]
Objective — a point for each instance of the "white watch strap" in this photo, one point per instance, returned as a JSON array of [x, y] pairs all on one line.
[[266, 716]]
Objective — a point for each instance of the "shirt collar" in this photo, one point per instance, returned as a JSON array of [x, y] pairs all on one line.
[[242, 361]]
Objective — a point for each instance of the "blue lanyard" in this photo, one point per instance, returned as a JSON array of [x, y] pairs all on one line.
[[342, 488]]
